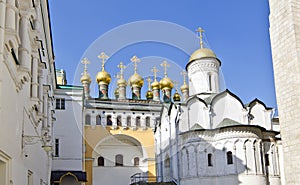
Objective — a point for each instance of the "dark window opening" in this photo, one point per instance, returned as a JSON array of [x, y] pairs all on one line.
[[119, 122], [100, 161], [209, 160], [267, 160], [119, 160], [138, 121], [147, 121], [98, 120], [128, 121], [87, 119], [108, 120], [60, 104], [56, 148], [14, 56], [229, 158], [136, 161]]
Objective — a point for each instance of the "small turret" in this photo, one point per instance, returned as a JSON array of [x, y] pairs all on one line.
[[136, 82], [85, 79], [166, 84], [103, 78]]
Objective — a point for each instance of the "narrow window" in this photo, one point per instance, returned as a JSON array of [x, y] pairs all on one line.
[[267, 160], [147, 121], [56, 148], [119, 122], [100, 161], [229, 158], [138, 121], [29, 178], [136, 161], [167, 162], [209, 160], [87, 119], [98, 120], [210, 82], [108, 120], [128, 121], [119, 160]]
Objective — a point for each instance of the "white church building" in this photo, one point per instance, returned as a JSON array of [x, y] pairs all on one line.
[[212, 137]]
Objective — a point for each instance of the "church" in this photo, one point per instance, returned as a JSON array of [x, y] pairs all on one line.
[[203, 136]]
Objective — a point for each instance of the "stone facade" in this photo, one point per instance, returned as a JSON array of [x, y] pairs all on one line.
[[285, 42], [27, 83]]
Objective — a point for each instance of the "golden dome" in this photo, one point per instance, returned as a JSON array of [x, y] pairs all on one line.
[[116, 92], [184, 87], [149, 95], [176, 97], [103, 76], [136, 80], [155, 85], [121, 81], [202, 53], [166, 82], [85, 78]]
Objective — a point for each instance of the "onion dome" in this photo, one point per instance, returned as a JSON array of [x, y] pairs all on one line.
[[121, 82], [85, 78], [202, 53], [176, 97], [184, 87], [166, 82], [85, 75], [116, 92], [103, 76], [149, 95], [136, 80], [155, 84]]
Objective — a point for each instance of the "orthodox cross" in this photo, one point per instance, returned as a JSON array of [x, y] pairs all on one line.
[[155, 70], [184, 74], [200, 31], [104, 58], [165, 65], [85, 62], [149, 81], [135, 60], [122, 67], [176, 84]]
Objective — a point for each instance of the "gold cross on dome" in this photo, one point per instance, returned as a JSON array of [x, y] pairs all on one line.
[[85, 62], [135, 60], [155, 70], [200, 31], [165, 64], [104, 58], [149, 82], [122, 67], [184, 74]]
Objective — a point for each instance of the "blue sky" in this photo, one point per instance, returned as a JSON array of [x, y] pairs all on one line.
[[237, 31]]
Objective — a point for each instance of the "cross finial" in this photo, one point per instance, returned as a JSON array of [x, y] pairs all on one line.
[[85, 62], [165, 64], [200, 31], [149, 83], [135, 60], [184, 74], [104, 58], [176, 84], [155, 70], [122, 67]]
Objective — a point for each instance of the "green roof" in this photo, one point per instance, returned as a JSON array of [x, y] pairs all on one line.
[[196, 127], [69, 87], [228, 122]]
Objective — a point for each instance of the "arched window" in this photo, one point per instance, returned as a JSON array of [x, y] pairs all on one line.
[[87, 119], [138, 121], [108, 120], [98, 120], [209, 160], [136, 161], [119, 160], [128, 121], [119, 121], [229, 157], [100, 161], [147, 121]]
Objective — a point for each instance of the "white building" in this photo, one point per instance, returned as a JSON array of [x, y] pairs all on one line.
[[213, 137], [27, 83]]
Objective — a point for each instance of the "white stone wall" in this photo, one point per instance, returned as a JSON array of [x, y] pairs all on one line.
[[285, 43], [26, 91]]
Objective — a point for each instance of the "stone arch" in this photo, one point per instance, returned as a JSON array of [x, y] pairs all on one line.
[[69, 178]]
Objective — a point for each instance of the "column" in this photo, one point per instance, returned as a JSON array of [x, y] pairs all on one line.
[[2, 26], [24, 50], [34, 81]]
